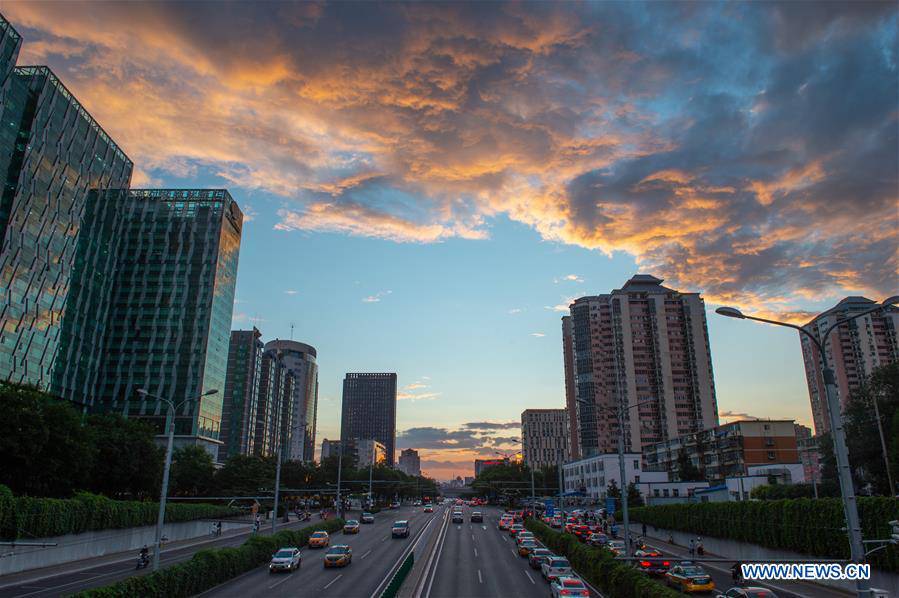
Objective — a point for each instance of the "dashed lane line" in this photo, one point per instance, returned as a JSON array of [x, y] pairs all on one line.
[[330, 583]]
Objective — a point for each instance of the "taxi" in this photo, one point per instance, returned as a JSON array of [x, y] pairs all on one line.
[[339, 555], [319, 539], [689, 578]]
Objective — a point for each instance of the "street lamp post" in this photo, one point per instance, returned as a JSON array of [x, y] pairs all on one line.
[[339, 505], [170, 431], [277, 487], [371, 465], [847, 490], [621, 467]]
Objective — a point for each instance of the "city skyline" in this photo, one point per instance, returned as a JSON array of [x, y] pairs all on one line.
[[454, 273]]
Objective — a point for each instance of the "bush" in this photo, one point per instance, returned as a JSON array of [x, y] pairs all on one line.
[[208, 568], [807, 526], [26, 517], [597, 565]]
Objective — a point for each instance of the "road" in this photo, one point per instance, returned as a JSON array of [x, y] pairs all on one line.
[[375, 555]]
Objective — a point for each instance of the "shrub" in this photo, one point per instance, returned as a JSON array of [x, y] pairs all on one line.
[[803, 525], [27, 517], [597, 565], [208, 568]]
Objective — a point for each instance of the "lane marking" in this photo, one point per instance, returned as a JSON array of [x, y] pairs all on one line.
[[515, 554], [480, 579], [385, 539], [330, 583], [433, 569], [472, 537], [528, 573], [277, 583], [365, 555], [475, 553]]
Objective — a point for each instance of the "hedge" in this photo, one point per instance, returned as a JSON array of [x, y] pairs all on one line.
[[27, 517], [616, 579], [208, 568], [807, 526]]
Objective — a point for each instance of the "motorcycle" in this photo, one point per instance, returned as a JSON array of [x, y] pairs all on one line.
[[143, 561]]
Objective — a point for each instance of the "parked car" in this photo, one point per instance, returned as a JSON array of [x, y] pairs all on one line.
[[400, 529], [568, 587], [286, 559], [689, 578], [555, 567], [339, 555]]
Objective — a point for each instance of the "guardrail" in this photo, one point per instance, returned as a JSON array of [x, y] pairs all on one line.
[[399, 577]]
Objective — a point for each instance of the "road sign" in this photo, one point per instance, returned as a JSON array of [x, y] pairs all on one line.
[[550, 509], [610, 505]]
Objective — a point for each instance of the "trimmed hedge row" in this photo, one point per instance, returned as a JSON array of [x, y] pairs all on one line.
[[27, 517], [208, 568], [616, 579], [808, 526]]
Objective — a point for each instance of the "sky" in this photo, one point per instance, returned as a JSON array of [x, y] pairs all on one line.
[[427, 186]]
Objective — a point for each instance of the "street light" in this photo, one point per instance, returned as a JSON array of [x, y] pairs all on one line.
[[170, 431], [621, 469], [850, 506]]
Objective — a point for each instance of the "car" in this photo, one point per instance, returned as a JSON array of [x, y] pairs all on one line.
[[536, 556], [395, 505], [522, 536], [339, 555], [319, 539], [556, 522], [555, 567], [652, 562], [367, 518], [689, 578], [429, 508], [417, 503], [616, 546], [400, 529], [581, 532], [515, 529], [597, 539], [477, 517], [748, 592], [457, 517], [568, 586], [351, 527], [505, 522], [286, 559], [525, 548]]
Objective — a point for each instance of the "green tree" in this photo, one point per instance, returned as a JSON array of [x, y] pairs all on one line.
[[45, 450], [128, 461], [244, 475], [192, 471], [686, 471]]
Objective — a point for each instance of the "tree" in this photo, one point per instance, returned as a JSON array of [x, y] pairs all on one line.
[[192, 471], [128, 461], [244, 475], [686, 471], [45, 450]]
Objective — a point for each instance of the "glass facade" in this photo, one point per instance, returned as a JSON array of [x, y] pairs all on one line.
[[369, 409], [170, 310], [53, 154], [298, 436], [241, 393]]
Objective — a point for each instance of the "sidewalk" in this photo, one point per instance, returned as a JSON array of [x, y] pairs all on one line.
[[812, 589]]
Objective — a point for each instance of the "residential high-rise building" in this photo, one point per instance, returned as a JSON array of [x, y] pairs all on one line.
[[574, 446], [641, 343], [274, 408], [544, 437], [369, 409], [169, 322], [52, 155], [241, 393], [410, 462], [854, 350], [300, 359]]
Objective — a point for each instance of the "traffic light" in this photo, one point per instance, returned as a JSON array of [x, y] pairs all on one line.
[[894, 537]]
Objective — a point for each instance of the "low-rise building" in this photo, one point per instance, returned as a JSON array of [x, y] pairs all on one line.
[[728, 450], [590, 477], [361, 451], [481, 465], [809, 456]]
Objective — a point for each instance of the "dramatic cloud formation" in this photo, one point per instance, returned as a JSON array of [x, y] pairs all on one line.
[[447, 452], [745, 150]]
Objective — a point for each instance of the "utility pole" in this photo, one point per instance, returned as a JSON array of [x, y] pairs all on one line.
[[339, 505], [883, 447], [277, 488], [371, 465]]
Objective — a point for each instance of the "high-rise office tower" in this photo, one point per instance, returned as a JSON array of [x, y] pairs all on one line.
[[369, 409], [643, 342], [52, 155], [410, 462], [169, 321], [544, 437], [241, 393], [273, 405], [300, 359], [571, 411], [854, 350]]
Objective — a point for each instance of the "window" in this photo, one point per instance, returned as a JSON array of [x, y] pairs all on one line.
[[675, 492], [771, 455]]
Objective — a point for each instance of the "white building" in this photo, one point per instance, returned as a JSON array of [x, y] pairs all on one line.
[[544, 437], [591, 476]]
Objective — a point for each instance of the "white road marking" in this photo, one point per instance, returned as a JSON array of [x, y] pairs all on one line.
[[484, 526], [475, 553], [472, 537], [385, 539], [480, 579], [515, 554], [332, 581], [365, 555], [277, 583], [528, 573]]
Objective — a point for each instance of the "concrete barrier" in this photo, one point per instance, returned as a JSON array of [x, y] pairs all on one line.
[[76, 547]]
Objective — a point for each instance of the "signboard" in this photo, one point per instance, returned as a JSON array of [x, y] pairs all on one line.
[[610, 505], [550, 508]]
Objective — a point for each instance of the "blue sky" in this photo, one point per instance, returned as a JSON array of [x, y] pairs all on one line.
[[454, 162]]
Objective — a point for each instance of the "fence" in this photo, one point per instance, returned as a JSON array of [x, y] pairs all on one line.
[[399, 577]]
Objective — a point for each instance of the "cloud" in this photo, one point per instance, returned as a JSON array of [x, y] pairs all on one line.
[[290, 292], [568, 278], [729, 415], [417, 391], [746, 151], [491, 425], [376, 297], [563, 307], [538, 334], [515, 310]]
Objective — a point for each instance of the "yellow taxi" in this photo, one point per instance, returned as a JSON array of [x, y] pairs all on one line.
[[339, 555], [525, 548], [319, 539], [688, 578]]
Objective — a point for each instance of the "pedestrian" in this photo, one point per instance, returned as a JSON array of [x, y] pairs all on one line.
[[692, 547], [644, 529], [700, 550]]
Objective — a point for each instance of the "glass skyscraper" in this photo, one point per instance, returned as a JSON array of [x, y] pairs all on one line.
[[298, 442], [369, 409], [53, 154], [241, 393]]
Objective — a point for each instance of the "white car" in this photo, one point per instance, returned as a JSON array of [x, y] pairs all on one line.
[[569, 586], [457, 517], [555, 568], [286, 559]]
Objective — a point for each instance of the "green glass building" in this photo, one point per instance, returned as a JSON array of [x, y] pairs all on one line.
[[53, 154]]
